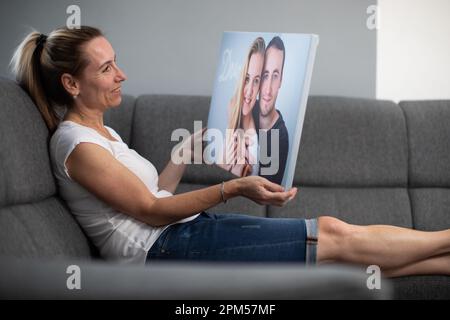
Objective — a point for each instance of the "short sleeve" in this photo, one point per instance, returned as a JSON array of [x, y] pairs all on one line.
[[65, 141]]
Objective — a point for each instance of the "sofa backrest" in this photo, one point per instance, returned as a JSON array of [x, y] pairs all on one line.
[[352, 142], [34, 221]]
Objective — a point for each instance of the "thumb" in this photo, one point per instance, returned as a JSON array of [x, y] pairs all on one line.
[[293, 192]]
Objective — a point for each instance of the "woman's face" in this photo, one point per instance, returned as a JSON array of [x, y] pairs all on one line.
[[252, 80], [100, 82]]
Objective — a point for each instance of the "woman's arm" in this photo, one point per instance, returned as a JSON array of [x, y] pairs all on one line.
[[94, 168]]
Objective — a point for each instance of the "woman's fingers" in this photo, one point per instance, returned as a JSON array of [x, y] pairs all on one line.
[[280, 198], [273, 186], [292, 194], [264, 192]]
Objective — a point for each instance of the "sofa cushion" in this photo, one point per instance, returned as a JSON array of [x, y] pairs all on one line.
[[40, 279], [421, 287], [25, 169], [43, 229], [430, 208], [429, 141], [33, 220], [429, 162], [352, 142]]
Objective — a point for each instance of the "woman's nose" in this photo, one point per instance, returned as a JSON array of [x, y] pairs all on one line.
[[121, 76], [249, 92]]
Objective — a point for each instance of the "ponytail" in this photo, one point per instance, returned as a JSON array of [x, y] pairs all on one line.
[[26, 65]]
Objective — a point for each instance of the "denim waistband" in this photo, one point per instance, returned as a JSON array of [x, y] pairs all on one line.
[[311, 241]]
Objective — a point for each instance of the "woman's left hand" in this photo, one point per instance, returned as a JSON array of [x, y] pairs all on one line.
[[262, 191]]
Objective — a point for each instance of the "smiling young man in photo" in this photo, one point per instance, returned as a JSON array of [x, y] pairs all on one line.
[[268, 119]]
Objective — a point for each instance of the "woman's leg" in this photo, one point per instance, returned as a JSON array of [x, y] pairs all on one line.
[[434, 265], [394, 249]]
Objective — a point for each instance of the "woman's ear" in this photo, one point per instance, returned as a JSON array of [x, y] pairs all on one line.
[[70, 84]]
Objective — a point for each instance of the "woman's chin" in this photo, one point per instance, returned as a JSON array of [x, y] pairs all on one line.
[[246, 109], [115, 102]]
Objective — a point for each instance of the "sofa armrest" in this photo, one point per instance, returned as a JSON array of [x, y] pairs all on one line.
[[31, 279]]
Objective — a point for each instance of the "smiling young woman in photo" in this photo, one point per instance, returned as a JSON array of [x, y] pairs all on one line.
[[241, 146]]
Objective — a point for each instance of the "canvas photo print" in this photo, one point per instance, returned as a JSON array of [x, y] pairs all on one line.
[[258, 103]]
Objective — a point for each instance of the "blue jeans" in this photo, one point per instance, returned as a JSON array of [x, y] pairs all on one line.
[[236, 237]]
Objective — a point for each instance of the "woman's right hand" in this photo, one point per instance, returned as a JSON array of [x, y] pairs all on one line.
[[262, 191], [238, 159]]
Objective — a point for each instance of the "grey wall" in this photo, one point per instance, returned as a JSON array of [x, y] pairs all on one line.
[[171, 46]]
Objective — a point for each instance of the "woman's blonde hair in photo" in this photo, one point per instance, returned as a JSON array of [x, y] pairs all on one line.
[[258, 47], [235, 115]]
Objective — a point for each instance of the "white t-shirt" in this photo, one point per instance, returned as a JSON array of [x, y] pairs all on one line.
[[118, 236]]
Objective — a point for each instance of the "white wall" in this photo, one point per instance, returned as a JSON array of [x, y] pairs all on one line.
[[171, 46], [413, 49]]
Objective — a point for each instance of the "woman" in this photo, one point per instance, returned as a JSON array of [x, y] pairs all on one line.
[[129, 211], [241, 147]]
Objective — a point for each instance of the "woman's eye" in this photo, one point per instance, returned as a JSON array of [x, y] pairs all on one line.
[[107, 69], [247, 79]]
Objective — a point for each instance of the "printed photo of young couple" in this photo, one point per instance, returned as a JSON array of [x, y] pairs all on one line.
[[256, 104]]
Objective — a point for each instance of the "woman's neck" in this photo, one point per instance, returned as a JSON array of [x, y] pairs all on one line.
[[85, 117]]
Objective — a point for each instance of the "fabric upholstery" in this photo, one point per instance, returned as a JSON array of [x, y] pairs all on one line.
[[429, 141], [34, 222], [44, 229], [429, 162], [25, 170], [360, 206], [37, 279], [431, 208], [421, 287]]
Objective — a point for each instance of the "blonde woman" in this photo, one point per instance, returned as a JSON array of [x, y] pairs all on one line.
[[241, 145]]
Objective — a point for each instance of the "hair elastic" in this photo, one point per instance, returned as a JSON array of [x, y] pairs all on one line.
[[41, 40]]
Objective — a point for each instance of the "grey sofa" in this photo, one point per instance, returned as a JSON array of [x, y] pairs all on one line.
[[364, 161]]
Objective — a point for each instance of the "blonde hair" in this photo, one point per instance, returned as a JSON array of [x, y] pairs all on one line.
[[39, 62], [258, 47]]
